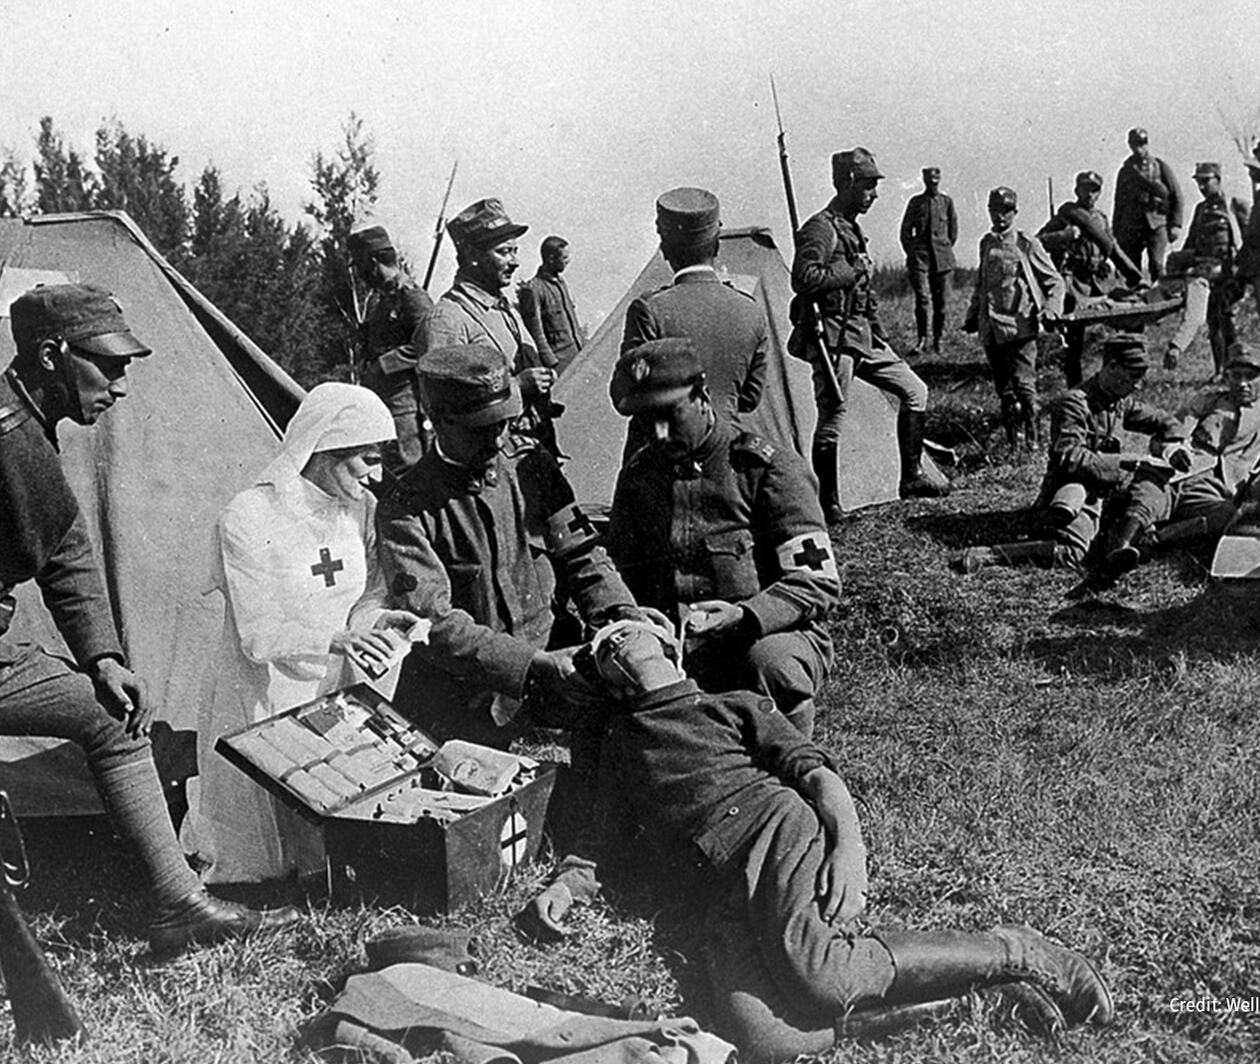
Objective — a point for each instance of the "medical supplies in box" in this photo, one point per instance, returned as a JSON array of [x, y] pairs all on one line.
[[405, 819]]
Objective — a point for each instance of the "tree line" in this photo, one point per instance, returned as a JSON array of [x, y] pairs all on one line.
[[289, 287]]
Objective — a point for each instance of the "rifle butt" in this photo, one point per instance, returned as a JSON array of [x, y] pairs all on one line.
[[42, 1012]]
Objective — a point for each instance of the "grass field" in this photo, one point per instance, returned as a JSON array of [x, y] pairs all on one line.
[[1091, 769]]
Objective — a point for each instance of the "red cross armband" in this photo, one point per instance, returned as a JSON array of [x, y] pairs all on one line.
[[569, 530], [809, 552]]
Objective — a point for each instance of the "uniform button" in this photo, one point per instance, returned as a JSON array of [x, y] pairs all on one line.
[[766, 705], [733, 811]]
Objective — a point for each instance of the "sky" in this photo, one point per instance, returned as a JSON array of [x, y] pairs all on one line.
[[579, 114]]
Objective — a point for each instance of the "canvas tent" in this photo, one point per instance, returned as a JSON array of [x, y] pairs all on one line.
[[594, 434], [202, 418]]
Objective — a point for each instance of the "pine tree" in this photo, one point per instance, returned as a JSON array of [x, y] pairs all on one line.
[[62, 181], [139, 178]]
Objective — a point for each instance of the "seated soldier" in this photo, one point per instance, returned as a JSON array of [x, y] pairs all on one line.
[[1220, 461], [722, 530], [726, 779], [1089, 472]]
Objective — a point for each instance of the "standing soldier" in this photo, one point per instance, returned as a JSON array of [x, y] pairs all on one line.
[[395, 305], [726, 327], [832, 271], [1212, 242], [1148, 206], [476, 310], [721, 530], [548, 308], [929, 230], [1080, 243], [73, 350], [1017, 289]]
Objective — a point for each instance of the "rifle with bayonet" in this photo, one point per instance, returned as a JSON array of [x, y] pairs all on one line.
[[439, 230], [810, 318], [42, 1013]]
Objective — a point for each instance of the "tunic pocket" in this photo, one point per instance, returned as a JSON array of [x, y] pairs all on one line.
[[731, 562]]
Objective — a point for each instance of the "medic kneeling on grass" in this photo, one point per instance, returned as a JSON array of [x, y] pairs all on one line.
[[727, 777]]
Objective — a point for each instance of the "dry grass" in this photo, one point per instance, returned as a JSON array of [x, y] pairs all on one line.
[[1090, 769]]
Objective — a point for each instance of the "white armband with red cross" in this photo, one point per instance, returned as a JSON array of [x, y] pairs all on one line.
[[569, 529], [809, 552]]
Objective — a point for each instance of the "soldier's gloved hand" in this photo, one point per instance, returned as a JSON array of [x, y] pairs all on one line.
[[122, 694], [712, 617], [543, 918], [841, 885]]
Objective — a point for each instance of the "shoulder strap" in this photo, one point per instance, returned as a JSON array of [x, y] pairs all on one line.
[[1034, 289]]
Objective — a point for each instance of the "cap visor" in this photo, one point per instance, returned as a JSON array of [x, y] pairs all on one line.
[[503, 410], [633, 404], [112, 345], [497, 236]]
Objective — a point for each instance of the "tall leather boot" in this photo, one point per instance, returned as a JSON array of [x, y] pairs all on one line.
[[824, 462], [915, 483], [1188, 532], [938, 329], [1032, 428], [1012, 422], [1125, 555], [931, 965], [921, 330], [1043, 553]]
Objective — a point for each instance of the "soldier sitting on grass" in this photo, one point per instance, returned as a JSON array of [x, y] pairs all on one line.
[[1089, 473], [725, 778]]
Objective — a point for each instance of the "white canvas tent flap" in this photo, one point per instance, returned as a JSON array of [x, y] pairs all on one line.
[[594, 434], [200, 420]]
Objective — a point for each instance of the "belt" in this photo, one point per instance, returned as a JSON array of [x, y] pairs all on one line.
[[12, 415]]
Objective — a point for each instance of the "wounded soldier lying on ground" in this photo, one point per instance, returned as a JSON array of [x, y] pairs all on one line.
[[725, 777]]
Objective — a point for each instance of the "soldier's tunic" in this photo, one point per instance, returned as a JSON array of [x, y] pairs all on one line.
[[468, 314], [1085, 450], [548, 311], [43, 537], [1148, 201], [1016, 279], [480, 556], [832, 268], [1212, 237], [929, 230], [712, 779], [390, 320], [726, 327], [738, 520], [1085, 263]]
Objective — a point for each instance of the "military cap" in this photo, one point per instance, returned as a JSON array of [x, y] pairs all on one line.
[[1137, 135], [366, 239], [931, 171], [656, 373], [85, 316], [1240, 354], [687, 217], [448, 950], [854, 165], [1003, 198], [469, 384], [1202, 170], [483, 224], [1127, 350], [1089, 177]]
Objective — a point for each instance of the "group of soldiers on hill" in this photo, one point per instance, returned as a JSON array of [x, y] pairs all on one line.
[[708, 591]]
